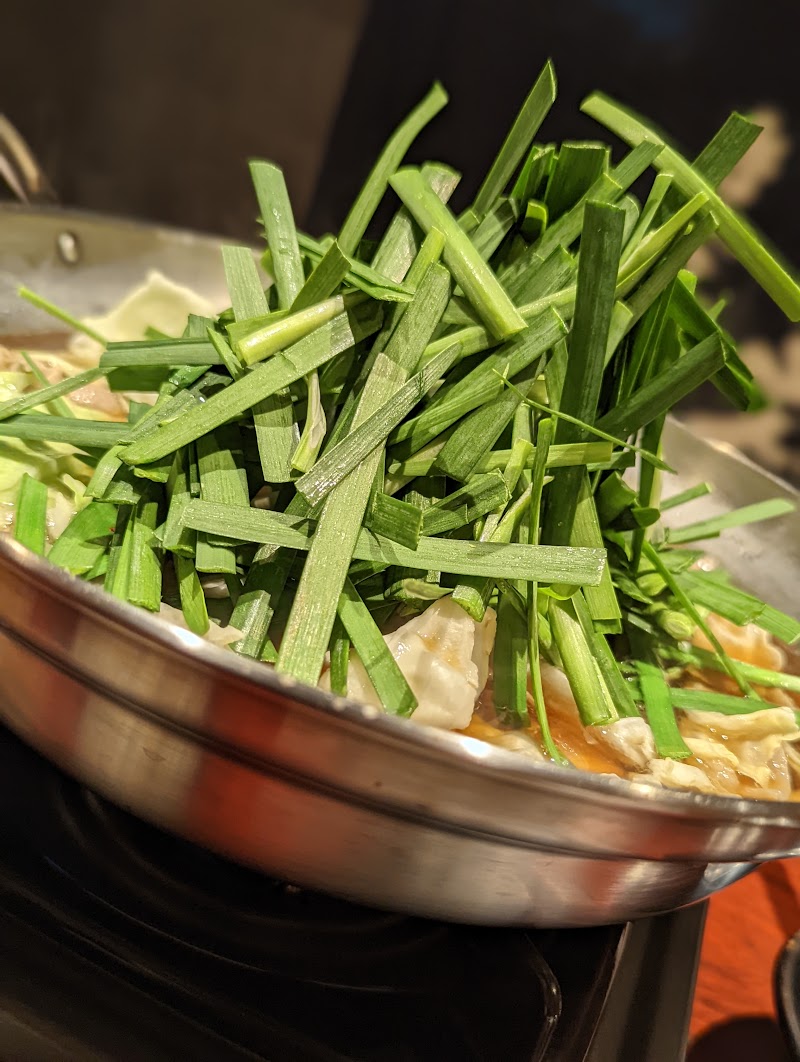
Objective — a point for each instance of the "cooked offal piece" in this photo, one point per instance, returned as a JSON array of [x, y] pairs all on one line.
[[444, 656]]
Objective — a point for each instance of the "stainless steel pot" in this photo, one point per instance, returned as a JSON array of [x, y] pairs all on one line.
[[314, 789]]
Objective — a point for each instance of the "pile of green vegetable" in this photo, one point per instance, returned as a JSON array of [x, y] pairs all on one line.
[[449, 409]]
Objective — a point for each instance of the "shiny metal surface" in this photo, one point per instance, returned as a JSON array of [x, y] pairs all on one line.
[[89, 262], [323, 792]]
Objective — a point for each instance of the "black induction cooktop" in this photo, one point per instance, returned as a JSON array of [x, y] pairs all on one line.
[[120, 942]]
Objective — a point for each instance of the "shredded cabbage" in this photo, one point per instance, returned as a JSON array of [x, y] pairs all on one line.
[[156, 303]]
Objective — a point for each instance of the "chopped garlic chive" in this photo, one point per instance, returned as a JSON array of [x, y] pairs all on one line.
[[660, 712], [264, 381], [340, 659], [368, 643], [580, 392], [30, 515], [469, 270], [85, 538], [743, 241], [557, 564], [748, 514], [375, 186], [41, 303], [193, 602], [525, 127]]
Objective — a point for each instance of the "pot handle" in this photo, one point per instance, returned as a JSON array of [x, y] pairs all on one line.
[[21, 169], [719, 875]]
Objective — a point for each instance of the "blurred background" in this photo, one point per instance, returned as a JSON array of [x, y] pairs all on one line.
[[151, 110]]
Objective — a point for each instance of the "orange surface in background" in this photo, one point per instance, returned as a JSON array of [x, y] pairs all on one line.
[[747, 926]]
